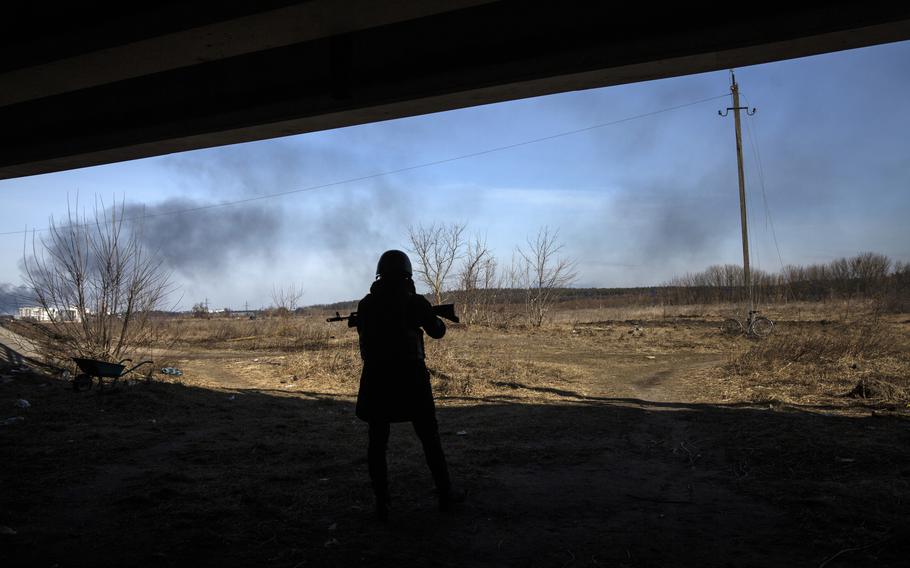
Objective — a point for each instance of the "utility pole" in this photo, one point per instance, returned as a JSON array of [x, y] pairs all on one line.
[[734, 88]]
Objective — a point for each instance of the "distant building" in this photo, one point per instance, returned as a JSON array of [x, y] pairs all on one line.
[[50, 314]]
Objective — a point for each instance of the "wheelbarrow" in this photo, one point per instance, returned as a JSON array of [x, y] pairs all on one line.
[[101, 370]]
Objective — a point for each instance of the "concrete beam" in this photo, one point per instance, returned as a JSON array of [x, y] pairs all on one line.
[[380, 65]]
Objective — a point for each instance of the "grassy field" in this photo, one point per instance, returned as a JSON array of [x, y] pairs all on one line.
[[617, 437]]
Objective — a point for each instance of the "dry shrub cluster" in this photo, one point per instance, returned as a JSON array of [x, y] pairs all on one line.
[[458, 370], [864, 359], [276, 333]]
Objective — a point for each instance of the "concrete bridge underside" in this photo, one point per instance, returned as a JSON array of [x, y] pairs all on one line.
[[83, 86]]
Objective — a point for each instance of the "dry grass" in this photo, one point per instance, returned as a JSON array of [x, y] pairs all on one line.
[[835, 310], [826, 364], [275, 333], [821, 354]]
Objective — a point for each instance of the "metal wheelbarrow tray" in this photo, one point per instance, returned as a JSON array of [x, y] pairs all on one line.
[[92, 368]]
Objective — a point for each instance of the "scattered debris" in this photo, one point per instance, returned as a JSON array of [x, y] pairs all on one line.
[[461, 433], [333, 526], [232, 397], [331, 542], [11, 421], [7, 530], [651, 357], [172, 371], [22, 403]]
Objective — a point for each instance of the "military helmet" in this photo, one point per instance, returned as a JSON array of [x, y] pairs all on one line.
[[394, 263]]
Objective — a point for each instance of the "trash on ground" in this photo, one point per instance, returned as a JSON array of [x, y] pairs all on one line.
[[461, 433], [333, 526], [11, 421], [232, 397], [7, 530], [651, 357], [22, 403], [331, 542], [172, 371]]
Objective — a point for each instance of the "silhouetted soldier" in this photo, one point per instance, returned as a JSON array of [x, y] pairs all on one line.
[[395, 384]]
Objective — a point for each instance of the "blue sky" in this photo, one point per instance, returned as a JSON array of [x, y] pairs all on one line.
[[635, 203]]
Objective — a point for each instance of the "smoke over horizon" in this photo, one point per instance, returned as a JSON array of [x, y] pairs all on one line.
[[13, 296]]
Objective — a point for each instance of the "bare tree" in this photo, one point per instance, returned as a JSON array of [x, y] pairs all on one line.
[[541, 272], [437, 247], [97, 284], [474, 277], [287, 299]]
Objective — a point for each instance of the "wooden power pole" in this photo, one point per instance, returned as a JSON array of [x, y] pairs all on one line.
[[734, 88]]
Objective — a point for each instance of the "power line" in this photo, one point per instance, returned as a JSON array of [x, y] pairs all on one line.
[[761, 178], [400, 170]]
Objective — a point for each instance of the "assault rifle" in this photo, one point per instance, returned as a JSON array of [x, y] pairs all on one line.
[[446, 311]]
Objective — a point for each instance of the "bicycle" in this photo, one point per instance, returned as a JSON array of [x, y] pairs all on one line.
[[758, 326]]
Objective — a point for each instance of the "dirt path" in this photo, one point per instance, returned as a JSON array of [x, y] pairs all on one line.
[[595, 370]]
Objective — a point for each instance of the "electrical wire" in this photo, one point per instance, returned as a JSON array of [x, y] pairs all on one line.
[[398, 170], [769, 221]]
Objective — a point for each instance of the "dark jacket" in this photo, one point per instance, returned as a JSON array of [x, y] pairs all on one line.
[[395, 384]]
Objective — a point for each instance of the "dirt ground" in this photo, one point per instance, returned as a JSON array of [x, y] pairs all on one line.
[[603, 443]]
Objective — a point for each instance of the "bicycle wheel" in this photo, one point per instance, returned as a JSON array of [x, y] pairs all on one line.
[[731, 326], [761, 327]]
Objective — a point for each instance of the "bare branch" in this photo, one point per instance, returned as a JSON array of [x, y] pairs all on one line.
[[94, 283], [541, 272], [436, 247]]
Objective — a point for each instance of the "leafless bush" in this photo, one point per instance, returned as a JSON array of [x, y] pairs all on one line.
[[541, 272], [437, 247], [286, 299], [97, 284], [479, 282]]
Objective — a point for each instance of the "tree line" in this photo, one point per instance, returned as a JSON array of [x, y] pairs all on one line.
[[865, 275]]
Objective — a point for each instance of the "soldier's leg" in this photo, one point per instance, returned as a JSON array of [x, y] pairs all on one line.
[[376, 462], [428, 431]]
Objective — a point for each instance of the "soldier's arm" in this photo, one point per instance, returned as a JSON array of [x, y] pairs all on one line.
[[431, 324]]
